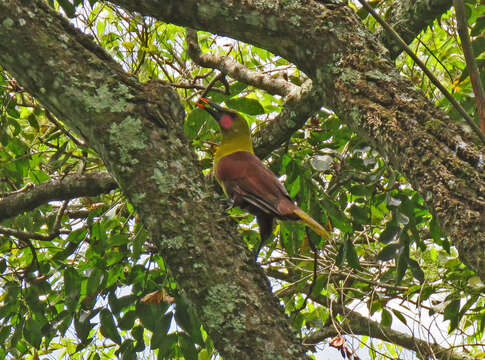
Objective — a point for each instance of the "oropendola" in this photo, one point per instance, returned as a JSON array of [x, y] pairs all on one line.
[[246, 180]]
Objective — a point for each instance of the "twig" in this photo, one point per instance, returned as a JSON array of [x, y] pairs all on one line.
[[428, 73], [314, 279], [53, 120]]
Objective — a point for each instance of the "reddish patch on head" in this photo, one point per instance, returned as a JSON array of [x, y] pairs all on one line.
[[226, 121]]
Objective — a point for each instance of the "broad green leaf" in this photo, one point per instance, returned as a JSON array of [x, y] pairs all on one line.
[[188, 348], [386, 318], [416, 270], [161, 331], [137, 333], [451, 312], [186, 318], [351, 255], [149, 315], [389, 234], [400, 316], [389, 252], [360, 214], [165, 346], [342, 250], [195, 121], [108, 327], [246, 105], [127, 320], [401, 265], [33, 333]]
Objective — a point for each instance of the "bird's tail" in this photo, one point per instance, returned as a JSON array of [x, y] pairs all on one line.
[[315, 226]]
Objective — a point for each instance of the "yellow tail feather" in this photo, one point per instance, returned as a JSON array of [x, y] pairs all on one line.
[[308, 220]]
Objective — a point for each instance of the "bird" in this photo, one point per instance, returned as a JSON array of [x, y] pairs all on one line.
[[246, 181]]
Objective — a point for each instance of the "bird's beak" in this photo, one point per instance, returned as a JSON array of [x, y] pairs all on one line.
[[211, 107]]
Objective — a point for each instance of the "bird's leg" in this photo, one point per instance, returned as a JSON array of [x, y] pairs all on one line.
[[230, 203]]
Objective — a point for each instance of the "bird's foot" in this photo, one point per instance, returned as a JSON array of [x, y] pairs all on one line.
[[230, 204]]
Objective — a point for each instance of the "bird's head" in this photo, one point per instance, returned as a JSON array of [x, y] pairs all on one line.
[[230, 121]]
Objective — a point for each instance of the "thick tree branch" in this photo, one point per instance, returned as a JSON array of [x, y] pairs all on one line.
[[227, 65], [335, 50], [409, 18], [138, 132], [70, 187]]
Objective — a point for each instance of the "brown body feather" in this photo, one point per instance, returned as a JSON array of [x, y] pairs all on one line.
[[252, 186]]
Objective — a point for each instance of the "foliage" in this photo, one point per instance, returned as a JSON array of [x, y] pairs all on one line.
[[81, 278]]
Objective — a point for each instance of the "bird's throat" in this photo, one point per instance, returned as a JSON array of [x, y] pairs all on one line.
[[231, 144]]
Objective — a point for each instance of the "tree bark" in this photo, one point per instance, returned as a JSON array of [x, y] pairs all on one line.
[[409, 18], [347, 65], [138, 131]]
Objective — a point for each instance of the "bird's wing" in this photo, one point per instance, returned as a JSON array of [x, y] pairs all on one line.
[[246, 178]]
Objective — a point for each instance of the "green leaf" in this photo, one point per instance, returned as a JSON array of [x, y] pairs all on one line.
[[338, 217], [127, 321], [388, 252], [188, 348], [108, 326], [83, 326], [3, 265], [195, 121], [67, 7], [401, 265], [401, 219], [187, 320], [360, 214], [451, 313], [204, 355], [246, 105], [161, 331], [72, 285], [339, 260], [389, 234], [149, 315], [166, 344], [32, 119], [118, 239], [386, 318], [32, 332], [295, 187], [137, 333], [351, 255], [95, 279], [400, 316], [416, 270], [127, 350]]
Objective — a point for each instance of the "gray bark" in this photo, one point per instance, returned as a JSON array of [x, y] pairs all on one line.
[[138, 131]]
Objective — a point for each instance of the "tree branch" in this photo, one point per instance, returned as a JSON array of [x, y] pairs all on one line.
[[470, 61], [409, 19], [356, 324], [300, 102], [428, 73], [70, 187]]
